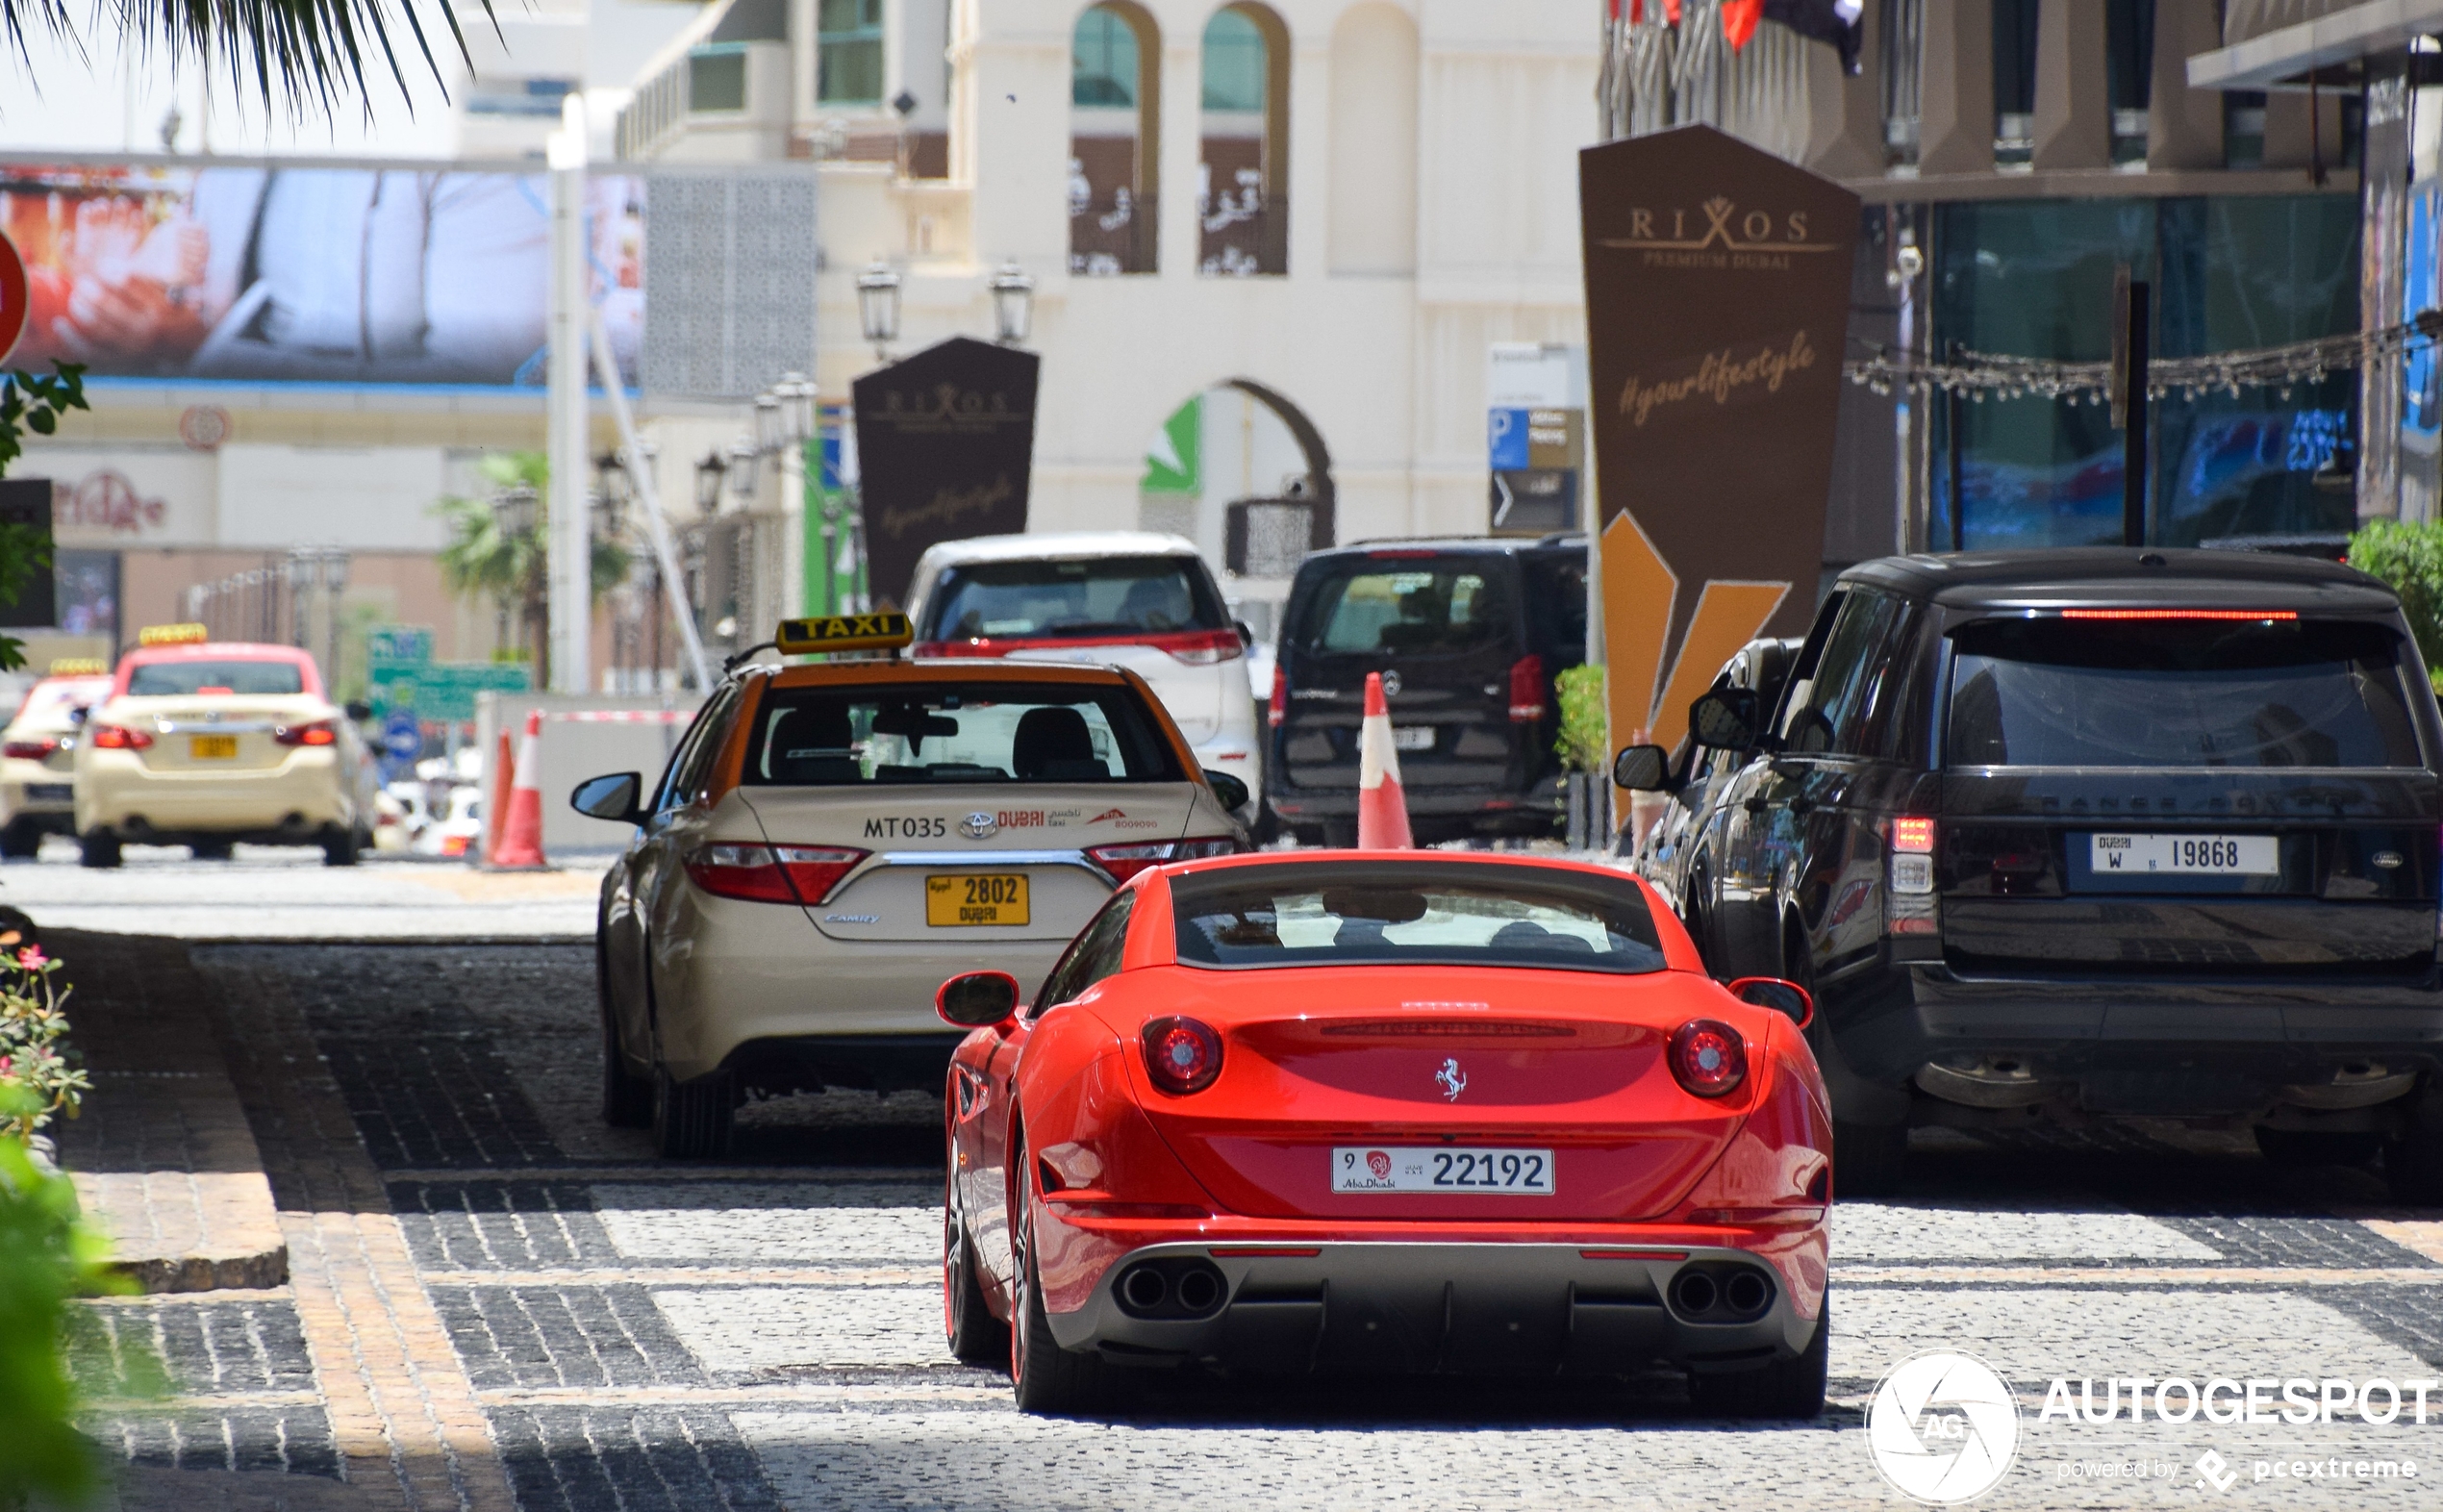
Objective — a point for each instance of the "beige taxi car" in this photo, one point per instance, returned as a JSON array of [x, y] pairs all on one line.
[[38, 756], [209, 744], [833, 840]]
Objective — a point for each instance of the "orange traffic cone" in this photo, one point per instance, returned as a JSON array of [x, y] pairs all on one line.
[[496, 802], [520, 844], [1382, 806]]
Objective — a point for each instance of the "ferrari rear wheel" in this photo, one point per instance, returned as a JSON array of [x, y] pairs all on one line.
[[976, 1336], [1049, 1380], [1784, 1389]]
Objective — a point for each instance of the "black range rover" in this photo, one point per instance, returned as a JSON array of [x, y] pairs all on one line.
[[2081, 833]]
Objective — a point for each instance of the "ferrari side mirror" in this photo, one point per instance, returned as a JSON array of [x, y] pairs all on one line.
[[977, 1000], [1772, 991]]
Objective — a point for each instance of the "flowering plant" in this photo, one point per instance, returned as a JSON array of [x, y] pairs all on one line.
[[35, 1058]]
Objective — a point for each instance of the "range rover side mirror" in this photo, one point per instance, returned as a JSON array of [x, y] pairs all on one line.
[[611, 799], [1228, 790], [1642, 769], [1772, 991], [1726, 718], [977, 1000]]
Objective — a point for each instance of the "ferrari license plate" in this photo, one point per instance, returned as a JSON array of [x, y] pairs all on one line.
[[983, 898], [2223, 855], [1410, 1167], [212, 747]]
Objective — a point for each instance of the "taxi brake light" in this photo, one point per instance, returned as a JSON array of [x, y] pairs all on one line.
[[320, 733], [1124, 862], [771, 873], [119, 738], [31, 751]]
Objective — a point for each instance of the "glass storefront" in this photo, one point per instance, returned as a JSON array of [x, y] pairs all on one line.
[[2034, 278]]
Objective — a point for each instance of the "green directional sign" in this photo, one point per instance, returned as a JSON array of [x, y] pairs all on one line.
[[443, 690]]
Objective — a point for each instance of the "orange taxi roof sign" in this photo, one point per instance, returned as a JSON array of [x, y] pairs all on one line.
[[883, 630]]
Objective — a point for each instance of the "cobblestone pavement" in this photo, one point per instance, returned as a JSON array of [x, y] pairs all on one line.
[[498, 1302]]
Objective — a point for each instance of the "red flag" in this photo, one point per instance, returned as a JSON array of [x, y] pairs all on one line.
[[1739, 19]]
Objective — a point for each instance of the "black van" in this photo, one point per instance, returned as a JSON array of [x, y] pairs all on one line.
[[1469, 633], [2091, 834]]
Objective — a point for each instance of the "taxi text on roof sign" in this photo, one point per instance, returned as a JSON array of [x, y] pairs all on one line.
[[78, 667], [882, 631], [172, 635]]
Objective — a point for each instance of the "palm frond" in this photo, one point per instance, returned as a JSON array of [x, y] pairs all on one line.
[[305, 55]]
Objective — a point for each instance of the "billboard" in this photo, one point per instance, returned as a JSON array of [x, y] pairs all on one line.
[[1717, 310], [415, 274], [944, 442]]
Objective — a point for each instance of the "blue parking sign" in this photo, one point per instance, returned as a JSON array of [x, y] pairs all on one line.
[[402, 737], [1506, 438]]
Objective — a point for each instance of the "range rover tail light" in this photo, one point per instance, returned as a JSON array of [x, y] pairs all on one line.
[[1278, 709], [1910, 909]]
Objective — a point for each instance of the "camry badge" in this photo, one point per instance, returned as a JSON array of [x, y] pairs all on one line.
[[980, 826], [1453, 1080]]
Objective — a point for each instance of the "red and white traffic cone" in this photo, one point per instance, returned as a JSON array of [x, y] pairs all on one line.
[[520, 844], [1382, 805]]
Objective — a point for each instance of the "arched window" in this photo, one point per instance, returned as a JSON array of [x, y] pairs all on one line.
[[1243, 177], [1113, 141]]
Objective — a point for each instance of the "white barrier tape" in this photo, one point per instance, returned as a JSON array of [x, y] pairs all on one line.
[[625, 716]]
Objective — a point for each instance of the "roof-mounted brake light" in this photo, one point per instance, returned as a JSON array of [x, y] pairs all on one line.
[[2180, 613]]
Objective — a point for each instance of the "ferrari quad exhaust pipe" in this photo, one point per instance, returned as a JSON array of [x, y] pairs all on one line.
[[1171, 1288], [1720, 1293]]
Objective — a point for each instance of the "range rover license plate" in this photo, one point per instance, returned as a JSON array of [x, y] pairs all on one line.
[[2210, 855]]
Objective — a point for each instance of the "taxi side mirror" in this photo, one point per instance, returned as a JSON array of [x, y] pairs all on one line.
[[1772, 991], [977, 1000], [1229, 790], [356, 710], [1642, 769], [611, 799]]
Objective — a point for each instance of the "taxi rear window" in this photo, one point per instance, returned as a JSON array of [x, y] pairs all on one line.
[[945, 732], [176, 679]]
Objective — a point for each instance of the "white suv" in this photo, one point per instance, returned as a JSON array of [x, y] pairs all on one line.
[[1128, 598]]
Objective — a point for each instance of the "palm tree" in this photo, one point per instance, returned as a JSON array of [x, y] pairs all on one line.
[[302, 53], [493, 554]]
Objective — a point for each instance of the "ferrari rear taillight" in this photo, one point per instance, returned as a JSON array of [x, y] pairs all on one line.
[[1124, 862], [31, 751], [1527, 689], [1708, 1058], [771, 873], [1279, 708], [320, 732], [119, 738], [1182, 1056]]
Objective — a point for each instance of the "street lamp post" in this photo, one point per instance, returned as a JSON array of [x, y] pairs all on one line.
[[709, 473], [878, 307], [1013, 304]]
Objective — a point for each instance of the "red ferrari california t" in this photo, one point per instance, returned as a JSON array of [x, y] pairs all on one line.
[[1317, 1112]]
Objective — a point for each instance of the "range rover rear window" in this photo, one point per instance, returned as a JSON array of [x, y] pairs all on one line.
[[2178, 692]]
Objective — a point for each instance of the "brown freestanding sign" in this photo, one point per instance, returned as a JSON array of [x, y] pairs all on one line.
[[945, 440], [1717, 306]]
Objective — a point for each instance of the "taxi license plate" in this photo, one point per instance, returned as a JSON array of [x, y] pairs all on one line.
[[2213, 855], [212, 747], [1396, 1168], [975, 898]]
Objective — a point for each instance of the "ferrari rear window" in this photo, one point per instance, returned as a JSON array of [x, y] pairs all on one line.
[[1421, 914]]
